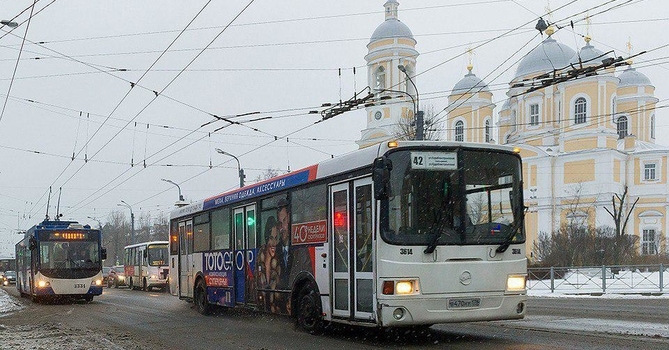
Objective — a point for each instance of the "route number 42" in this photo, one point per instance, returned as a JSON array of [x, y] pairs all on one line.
[[418, 160]]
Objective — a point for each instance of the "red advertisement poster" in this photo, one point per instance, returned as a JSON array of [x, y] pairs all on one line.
[[309, 232]]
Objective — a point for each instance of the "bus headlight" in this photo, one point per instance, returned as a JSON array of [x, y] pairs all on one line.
[[97, 282], [42, 284], [121, 278], [515, 283], [400, 287], [153, 277], [404, 287]]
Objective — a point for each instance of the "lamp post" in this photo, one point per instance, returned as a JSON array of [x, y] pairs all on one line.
[[181, 202], [239, 166], [132, 221], [417, 112], [99, 223]]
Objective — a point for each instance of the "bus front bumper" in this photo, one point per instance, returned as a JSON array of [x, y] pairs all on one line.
[[428, 311]]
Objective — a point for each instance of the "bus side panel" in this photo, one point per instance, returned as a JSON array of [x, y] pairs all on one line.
[[321, 272], [216, 267]]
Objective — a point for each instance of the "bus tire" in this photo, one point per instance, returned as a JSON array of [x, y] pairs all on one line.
[[88, 298], [201, 302], [309, 313]]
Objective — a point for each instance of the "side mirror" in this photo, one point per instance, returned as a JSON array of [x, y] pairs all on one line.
[[381, 177], [103, 253]]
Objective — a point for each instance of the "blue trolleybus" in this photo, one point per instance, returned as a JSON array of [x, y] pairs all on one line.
[[408, 233], [60, 259]]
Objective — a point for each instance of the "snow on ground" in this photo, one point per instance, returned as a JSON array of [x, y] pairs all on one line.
[[8, 304], [648, 329], [52, 335]]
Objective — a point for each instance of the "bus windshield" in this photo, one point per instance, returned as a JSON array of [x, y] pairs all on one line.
[[453, 198], [158, 255], [67, 255]]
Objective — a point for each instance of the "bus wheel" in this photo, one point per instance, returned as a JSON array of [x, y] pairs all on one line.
[[309, 312], [88, 298], [201, 302]]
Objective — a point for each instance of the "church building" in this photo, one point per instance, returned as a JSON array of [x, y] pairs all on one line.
[[582, 141]]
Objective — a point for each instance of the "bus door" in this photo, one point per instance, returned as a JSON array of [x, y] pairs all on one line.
[[186, 258], [244, 254], [352, 220]]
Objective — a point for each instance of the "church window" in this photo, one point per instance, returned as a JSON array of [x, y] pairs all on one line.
[[459, 131], [580, 110], [652, 126], [487, 130], [622, 127], [648, 242], [380, 78], [534, 114], [649, 172]]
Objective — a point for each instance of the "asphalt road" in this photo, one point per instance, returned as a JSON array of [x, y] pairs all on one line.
[[124, 319]]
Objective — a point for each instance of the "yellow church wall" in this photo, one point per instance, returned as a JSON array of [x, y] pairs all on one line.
[[534, 142], [524, 170], [380, 43], [531, 230], [584, 206], [533, 175], [627, 90], [579, 171], [612, 142], [580, 144], [526, 153], [407, 42], [616, 170], [651, 200]]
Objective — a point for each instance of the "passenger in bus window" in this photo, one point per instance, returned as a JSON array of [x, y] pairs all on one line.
[[283, 217]]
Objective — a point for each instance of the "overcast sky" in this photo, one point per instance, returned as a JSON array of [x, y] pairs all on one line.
[[70, 94]]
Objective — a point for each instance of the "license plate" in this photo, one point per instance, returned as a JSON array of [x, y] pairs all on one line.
[[79, 285], [464, 303]]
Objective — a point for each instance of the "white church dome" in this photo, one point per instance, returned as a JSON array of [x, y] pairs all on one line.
[[590, 56], [631, 77], [546, 57], [470, 84]]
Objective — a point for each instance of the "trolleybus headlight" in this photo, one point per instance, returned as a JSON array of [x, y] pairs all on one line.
[[42, 284], [97, 282], [515, 283]]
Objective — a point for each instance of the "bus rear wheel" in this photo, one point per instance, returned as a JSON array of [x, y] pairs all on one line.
[[201, 302], [309, 312]]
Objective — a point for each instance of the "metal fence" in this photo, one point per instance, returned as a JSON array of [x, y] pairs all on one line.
[[614, 279]]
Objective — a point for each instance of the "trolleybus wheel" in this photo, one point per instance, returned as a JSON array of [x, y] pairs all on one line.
[[309, 312], [201, 302]]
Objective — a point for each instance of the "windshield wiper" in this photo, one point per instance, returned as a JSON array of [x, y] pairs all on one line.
[[514, 230], [437, 234]]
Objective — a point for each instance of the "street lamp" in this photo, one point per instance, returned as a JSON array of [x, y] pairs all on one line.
[[181, 198], [417, 112], [132, 221], [99, 223], [239, 167]]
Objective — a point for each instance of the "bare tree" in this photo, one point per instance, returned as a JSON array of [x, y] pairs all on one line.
[[405, 128], [621, 216], [267, 174]]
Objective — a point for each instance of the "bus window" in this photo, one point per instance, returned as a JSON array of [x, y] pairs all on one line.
[[201, 234], [220, 229]]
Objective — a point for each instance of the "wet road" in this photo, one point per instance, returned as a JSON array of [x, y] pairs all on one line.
[[144, 320]]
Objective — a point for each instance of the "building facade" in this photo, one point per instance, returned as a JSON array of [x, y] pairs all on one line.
[[582, 141]]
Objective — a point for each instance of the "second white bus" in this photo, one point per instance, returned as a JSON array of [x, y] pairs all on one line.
[[145, 265]]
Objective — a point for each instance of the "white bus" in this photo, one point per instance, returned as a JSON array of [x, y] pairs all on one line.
[[145, 265], [407, 233]]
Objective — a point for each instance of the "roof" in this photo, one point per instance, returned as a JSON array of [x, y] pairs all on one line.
[[391, 28], [546, 57], [632, 77], [590, 56], [470, 83]]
